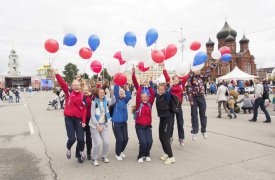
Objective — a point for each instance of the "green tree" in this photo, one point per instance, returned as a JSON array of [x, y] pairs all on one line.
[[105, 74], [70, 70], [85, 76]]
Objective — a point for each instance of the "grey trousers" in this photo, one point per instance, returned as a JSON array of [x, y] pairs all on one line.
[[98, 139], [220, 103]]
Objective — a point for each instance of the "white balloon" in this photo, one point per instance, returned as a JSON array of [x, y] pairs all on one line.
[[128, 53], [141, 53], [182, 68], [197, 68], [216, 54], [113, 67]]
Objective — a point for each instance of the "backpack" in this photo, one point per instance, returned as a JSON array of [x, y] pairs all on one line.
[[139, 110], [266, 93], [175, 104]]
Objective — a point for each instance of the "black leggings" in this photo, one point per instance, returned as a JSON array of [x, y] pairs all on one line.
[[165, 128]]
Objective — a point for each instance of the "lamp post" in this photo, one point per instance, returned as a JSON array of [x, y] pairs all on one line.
[[181, 41]]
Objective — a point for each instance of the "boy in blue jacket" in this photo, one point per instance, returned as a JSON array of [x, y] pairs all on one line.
[[119, 119]]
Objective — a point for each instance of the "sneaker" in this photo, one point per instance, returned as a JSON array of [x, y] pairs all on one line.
[[253, 120], [230, 116], [83, 156], [219, 116], [181, 142], [148, 159], [164, 157], [106, 160], [235, 116], [68, 154], [123, 155], [140, 160], [80, 160], [204, 135], [170, 161], [89, 157], [95, 163], [119, 158], [194, 137], [267, 121]]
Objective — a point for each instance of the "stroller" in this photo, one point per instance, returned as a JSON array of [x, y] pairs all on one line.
[[53, 104]]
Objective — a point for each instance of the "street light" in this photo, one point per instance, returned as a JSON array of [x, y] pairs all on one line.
[[181, 41]]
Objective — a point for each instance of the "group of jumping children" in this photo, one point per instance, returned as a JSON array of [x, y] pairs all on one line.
[[89, 115]]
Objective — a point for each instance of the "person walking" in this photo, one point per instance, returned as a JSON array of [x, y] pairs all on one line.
[[119, 119], [259, 102], [222, 94], [17, 95], [163, 98], [176, 89], [75, 116], [100, 116], [143, 117], [231, 104], [10, 96]]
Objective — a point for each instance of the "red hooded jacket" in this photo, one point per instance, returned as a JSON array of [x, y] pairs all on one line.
[[74, 105]]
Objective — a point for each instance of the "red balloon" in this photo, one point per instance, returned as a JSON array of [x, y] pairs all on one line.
[[120, 79], [225, 50], [196, 45], [117, 55], [164, 52], [157, 56], [85, 53], [51, 46], [141, 67], [96, 66], [171, 50]]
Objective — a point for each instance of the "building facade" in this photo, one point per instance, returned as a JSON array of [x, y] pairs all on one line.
[[242, 58], [265, 73]]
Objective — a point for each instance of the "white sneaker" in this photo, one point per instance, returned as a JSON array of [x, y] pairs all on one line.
[[140, 160], [119, 158], [164, 157], [194, 137], [95, 163], [148, 159], [170, 161], [123, 155], [105, 159], [204, 135]]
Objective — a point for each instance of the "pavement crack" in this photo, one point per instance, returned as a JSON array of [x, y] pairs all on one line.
[[54, 173]]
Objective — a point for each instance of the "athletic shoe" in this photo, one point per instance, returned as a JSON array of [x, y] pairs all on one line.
[[80, 160], [164, 157], [219, 116], [170, 161], [181, 142], [119, 158], [140, 160], [106, 160], [68, 154], [204, 135], [230, 116], [235, 116], [267, 121], [148, 159], [89, 157], [194, 137], [122, 155], [252, 120], [95, 163]]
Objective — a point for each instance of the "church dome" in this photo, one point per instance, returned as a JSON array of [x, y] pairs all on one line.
[[210, 43], [244, 40], [225, 31], [229, 38]]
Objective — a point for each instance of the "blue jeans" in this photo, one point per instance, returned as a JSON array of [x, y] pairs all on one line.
[[180, 123], [121, 135], [74, 128], [199, 102], [144, 134], [260, 103]]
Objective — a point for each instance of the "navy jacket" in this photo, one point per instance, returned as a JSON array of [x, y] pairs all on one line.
[[163, 104], [120, 113]]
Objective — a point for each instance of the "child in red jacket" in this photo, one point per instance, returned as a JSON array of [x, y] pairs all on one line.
[[143, 126]]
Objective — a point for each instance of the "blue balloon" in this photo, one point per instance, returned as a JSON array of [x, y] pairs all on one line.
[[69, 39], [226, 57], [130, 39], [200, 58], [151, 36], [93, 42]]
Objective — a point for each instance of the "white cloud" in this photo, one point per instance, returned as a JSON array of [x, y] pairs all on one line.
[[31, 22]]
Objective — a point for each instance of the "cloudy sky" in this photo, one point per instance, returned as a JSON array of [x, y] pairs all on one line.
[[30, 22]]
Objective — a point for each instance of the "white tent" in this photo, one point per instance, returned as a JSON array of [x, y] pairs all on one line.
[[236, 74]]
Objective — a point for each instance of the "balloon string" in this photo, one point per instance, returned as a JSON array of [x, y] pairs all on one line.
[[56, 55], [86, 66]]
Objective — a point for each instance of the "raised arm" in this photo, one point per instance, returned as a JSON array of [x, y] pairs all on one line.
[[128, 94], [62, 83], [184, 79], [211, 68], [166, 75], [134, 78], [116, 91], [152, 96]]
